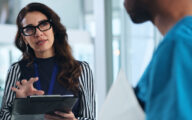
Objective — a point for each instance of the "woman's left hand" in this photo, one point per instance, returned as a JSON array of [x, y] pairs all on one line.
[[64, 116]]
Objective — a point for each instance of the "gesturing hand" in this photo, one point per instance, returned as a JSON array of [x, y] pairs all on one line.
[[64, 116], [25, 88]]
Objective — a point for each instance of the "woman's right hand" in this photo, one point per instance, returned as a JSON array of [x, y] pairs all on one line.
[[25, 88]]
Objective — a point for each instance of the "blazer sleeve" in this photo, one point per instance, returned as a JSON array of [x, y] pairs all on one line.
[[9, 95], [87, 104]]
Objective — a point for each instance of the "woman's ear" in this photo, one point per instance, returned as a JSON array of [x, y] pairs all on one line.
[[23, 37]]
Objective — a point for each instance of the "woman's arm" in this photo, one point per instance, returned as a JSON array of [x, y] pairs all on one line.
[[87, 98], [9, 95]]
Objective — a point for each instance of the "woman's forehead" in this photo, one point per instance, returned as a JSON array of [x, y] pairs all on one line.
[[33, 18]]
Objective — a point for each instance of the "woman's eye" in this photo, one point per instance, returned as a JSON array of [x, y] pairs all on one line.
[[28, 29], [44, 24]]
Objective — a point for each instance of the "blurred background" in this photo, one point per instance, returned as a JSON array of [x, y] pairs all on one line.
[[100, 32]]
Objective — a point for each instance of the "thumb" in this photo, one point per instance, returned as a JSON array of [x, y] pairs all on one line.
[[39, 92]]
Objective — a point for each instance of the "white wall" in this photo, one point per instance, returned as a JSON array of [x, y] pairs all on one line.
[[69, 10]]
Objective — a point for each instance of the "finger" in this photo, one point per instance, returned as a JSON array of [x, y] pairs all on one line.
[[23, 82], [52, 117], [66, 115], [32, 80], [18, 84], [70, 112], [14, 89], [47, 117], [39, 92]]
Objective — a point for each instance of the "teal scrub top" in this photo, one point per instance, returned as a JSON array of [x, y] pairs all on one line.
[[166, 86]]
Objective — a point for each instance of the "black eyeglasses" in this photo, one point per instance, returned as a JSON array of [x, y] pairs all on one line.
[[30, 30]]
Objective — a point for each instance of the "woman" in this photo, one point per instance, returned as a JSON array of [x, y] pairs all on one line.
[[47, 63]]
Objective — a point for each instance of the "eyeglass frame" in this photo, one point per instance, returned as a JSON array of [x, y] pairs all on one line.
[[37, 26]]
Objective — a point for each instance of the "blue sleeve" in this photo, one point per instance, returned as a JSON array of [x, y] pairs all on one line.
[[165, 87], [182, 79]]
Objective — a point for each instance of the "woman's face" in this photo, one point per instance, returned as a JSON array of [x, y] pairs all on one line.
[[42, 40]]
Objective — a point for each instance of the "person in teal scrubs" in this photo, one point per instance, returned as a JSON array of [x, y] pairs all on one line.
[[164, 90]]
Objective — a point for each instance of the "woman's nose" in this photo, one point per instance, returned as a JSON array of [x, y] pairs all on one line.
[[38, 32]]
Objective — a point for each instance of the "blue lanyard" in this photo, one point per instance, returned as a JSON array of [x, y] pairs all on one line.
[[53, 77]]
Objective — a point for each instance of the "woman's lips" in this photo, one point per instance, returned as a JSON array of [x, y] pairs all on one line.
[[41, 42]]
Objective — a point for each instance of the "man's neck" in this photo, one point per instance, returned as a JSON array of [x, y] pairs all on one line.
[[164, 25], [167, 19]]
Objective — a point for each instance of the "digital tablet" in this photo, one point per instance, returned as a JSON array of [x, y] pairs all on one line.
[[44, 104]]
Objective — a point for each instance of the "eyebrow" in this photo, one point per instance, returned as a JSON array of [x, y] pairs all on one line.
[[29, 25]]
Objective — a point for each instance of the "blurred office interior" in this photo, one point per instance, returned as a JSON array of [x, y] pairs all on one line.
[[100, 32]]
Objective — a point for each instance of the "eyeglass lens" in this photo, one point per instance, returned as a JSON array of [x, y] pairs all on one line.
[[31, 30]]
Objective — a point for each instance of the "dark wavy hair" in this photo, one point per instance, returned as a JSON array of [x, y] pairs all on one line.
[[69, 68]]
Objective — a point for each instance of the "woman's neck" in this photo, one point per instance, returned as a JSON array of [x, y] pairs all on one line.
[[44, 54]]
